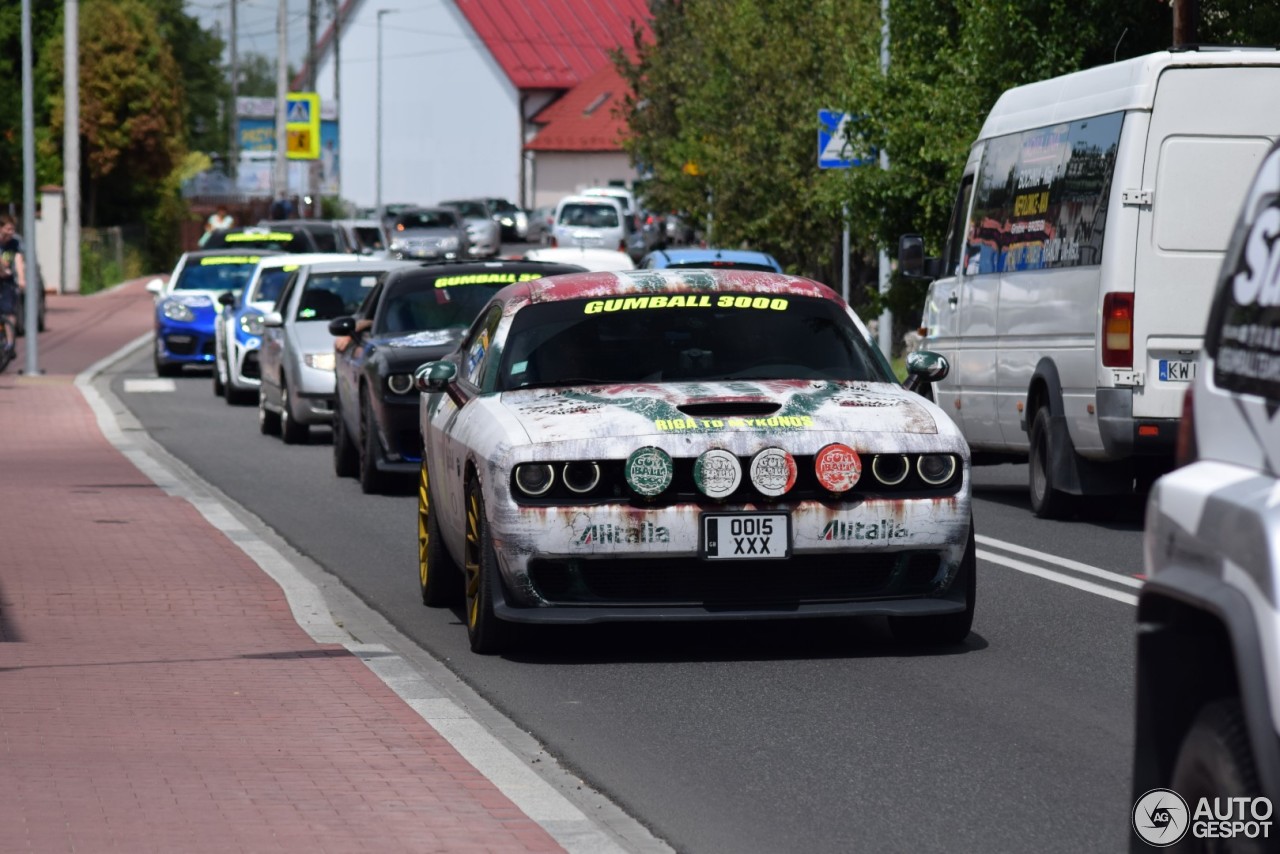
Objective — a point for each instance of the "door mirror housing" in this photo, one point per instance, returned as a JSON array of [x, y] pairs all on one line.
[[434, 377], [340, 326], [925, 367], [227, 298], [272, 320], [912, 262]]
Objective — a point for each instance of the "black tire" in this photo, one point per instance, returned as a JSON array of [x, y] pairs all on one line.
[[236, 396], [219, 388], [937, 629], [346, 460], [268, 421], [1215, 761], [292, 431], [1047, 501], [372, 481], [487, 634], [439, 578]]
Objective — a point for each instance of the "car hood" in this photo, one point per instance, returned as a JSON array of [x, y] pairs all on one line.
[[735, 413], [406, 352]]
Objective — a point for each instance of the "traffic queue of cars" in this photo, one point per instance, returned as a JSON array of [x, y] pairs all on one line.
[[660, 444]]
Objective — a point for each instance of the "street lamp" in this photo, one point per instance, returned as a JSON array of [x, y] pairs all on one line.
[[377, 177]]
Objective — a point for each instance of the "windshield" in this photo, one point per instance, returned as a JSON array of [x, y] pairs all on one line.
[[427, 219], [270, 282], [589, 216], [330, 295], [216, 273], [470, 210], [326, 239], [422, 305], [703, 337]]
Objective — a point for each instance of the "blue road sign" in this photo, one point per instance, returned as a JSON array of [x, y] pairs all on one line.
[[834, 149]]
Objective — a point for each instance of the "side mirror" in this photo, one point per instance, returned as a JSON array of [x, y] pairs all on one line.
[[272, 320], [911, 255], [227, 298], [340, 326], [155, 286], [434, 376], [924, 367]]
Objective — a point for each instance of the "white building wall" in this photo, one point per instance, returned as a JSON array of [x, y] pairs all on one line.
[[558, 174], [450, 116]]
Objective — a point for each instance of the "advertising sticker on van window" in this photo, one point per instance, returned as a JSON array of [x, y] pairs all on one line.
[[1248, 339], [1041, 197]]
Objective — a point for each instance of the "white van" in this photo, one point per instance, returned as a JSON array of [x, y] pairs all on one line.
[[597, 222], [1075, 281]]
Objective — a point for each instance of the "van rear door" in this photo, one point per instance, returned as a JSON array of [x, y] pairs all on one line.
[[1210, 129]]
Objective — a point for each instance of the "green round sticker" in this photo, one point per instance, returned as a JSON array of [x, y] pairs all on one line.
[[649, 471]]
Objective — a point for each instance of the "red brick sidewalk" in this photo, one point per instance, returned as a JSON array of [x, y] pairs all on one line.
[[155, 691]]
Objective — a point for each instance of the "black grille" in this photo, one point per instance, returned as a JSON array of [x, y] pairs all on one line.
[[803, 579], [408, 444], [208, 348], [250, 368], [183, 345]]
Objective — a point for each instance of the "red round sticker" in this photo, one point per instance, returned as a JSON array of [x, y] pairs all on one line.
[[838, 467]]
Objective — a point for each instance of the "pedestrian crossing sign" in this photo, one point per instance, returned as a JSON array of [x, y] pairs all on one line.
[[302, 126]]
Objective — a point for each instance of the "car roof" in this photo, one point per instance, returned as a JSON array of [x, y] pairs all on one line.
[[357, 264], [412, 271], [591, 200], [653, 282], [285, 259], [224, 251]]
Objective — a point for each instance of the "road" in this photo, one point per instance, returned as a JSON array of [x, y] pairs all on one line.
[[769, 737]]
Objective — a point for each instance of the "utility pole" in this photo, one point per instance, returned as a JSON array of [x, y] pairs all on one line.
[[337, 81], [71, 146], [280, 178], [1186, 14], [886, 316], [313, 168], [377, 171], [30, 263], [233, 150]]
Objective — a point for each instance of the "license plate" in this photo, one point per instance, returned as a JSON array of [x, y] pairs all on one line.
[[746, 536], [1171, 370]]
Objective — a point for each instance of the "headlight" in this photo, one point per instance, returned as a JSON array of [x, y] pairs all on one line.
[[581, 477], [251, 324], [448, 243], [396, 246], [319, 361], [177, 311], [400, 383], [534, 478], [649, 471], [936, 469], [773, 472], [890, 469]]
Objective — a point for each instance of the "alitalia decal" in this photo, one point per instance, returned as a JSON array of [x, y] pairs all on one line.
[[885, 529], [645, 532]]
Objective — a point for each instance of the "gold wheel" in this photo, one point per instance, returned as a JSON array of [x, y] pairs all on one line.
[[424, 534], [472, 567]]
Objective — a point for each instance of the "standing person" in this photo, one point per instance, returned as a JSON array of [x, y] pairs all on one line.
[[217, 220], [13, 278]]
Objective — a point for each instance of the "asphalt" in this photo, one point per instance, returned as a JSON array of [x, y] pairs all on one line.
[[162, 690]]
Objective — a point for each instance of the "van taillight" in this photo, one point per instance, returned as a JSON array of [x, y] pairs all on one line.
[[622, 246], [554, 243], [1117, 330], [1185, 449]]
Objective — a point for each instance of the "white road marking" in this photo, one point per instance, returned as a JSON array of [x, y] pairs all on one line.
[[1050, 575], [1065, 563], [135, 386]]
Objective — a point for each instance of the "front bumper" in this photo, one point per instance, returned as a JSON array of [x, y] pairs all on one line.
[[246, 372], [185, 344], [620, 562], [399, 434]]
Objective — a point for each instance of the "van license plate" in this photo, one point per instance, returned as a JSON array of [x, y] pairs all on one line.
[[746, 536], [1172, 371]]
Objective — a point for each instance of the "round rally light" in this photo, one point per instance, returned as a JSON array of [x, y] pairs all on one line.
[[773, 471], [534, 478], [890, 469], [717, 473], [936, 469], [581, 477], [838, 467], [649, 471], [400, 383]]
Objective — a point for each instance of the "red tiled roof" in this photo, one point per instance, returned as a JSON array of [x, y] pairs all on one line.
[[553, 44], [584, 119]]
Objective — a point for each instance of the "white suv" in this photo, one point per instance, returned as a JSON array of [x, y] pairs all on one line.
[[1208, 691]]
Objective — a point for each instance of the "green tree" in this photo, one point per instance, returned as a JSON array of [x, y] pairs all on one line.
[[46, 19], [258, 75], [198, 53]]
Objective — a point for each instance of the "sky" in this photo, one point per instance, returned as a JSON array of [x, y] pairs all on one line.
[[256, 23]]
